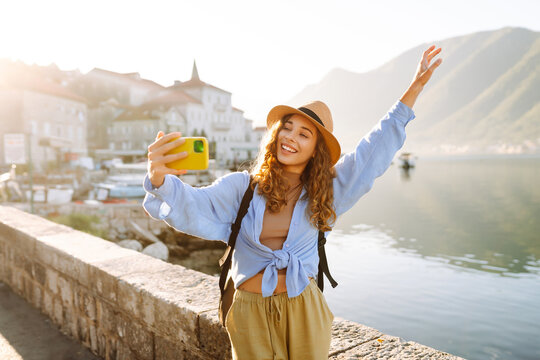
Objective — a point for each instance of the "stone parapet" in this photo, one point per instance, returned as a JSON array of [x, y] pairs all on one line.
[[123, 304]]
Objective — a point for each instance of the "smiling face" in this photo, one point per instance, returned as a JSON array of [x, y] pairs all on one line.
[[296, 143]]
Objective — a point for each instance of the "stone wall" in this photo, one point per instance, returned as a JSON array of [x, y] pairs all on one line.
[[126, 305], [115, 218]]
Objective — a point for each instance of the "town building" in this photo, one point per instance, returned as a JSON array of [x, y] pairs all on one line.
[[105, 115], [110, 94], [53, 118], [195, 108]]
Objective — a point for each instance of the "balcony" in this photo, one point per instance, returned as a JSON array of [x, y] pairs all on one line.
[[220, 107], [221, 125]]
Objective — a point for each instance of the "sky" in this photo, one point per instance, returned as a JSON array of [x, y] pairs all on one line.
[[264, 53]]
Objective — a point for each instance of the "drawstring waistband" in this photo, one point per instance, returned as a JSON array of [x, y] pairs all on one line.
[[274, 303]]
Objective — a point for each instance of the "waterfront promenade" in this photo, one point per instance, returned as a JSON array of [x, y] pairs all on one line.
[[27, 334]]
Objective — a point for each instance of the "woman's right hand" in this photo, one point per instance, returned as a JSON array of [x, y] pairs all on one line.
[[157, 158]]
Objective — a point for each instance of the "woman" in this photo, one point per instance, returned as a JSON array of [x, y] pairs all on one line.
[[301, 187]]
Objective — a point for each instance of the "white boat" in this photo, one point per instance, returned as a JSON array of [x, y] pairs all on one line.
[[125, 181]]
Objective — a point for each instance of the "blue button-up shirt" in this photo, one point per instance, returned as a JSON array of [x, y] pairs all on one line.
[[208, 212]]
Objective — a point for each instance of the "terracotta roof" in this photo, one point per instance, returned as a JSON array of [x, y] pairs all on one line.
[[237, 109], [174, 97], [17, 75], [49, 88], [196, 83], [136, 114], [127, 76], [96, 103], [260, 128]]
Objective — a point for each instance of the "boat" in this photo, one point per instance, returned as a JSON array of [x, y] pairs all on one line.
[[406, 160], [124, 182]]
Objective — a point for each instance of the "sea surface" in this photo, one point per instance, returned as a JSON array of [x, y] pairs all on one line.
[[446, 254]]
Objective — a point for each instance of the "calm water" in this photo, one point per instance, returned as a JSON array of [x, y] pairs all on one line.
[[447, 255]]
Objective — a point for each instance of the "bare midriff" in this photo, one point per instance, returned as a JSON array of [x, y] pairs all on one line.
[[254, 283]]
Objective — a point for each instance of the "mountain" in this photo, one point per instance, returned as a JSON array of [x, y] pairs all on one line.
[[483, 99]]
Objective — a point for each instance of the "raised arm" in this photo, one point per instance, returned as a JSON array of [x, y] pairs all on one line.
[[357, 170]]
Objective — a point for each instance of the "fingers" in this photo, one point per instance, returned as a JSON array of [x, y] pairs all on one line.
[[157, 160], [435, 64], [429, 54], [433, 53], [173, 157], [160, 140], [424, 78], [428, 50], [174, 171], [169, 146], [165, 148]]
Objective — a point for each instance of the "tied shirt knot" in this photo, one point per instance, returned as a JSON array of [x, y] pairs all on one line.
[[281, 259], [296, 275]]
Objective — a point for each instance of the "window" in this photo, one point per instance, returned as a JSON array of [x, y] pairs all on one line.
[[33, 127]]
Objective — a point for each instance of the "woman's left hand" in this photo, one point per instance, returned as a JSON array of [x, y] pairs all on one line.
[[424, 70]]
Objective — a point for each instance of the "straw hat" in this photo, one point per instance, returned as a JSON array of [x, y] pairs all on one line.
[[319, 114]]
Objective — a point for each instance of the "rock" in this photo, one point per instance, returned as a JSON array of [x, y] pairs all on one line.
[[112, 234], [178, 251], [131, 244], [158, 250], [170, 238], [143, 232]]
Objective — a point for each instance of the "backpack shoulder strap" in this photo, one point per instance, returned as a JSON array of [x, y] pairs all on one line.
[[323, 264], [225, 261]]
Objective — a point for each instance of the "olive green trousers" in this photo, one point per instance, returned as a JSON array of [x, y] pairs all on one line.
[[279, 328]]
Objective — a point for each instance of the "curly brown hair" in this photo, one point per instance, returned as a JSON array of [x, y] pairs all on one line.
[[316, 177]]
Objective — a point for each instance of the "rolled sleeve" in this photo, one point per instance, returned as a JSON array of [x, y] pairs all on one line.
[[402, 113]]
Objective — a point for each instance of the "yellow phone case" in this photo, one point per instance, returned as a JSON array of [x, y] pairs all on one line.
[[197, 158]]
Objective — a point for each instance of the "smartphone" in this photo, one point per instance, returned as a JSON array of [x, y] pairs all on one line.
[[197, 157]]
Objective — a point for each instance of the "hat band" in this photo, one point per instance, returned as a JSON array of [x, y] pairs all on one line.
[[312, 114]]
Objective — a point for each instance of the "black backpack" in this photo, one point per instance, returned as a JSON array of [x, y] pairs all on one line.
[[227, 286]]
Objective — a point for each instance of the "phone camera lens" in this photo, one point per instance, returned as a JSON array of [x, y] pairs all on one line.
[[198, 146]]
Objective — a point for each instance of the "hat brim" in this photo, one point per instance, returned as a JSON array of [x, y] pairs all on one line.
[[279, 111]]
